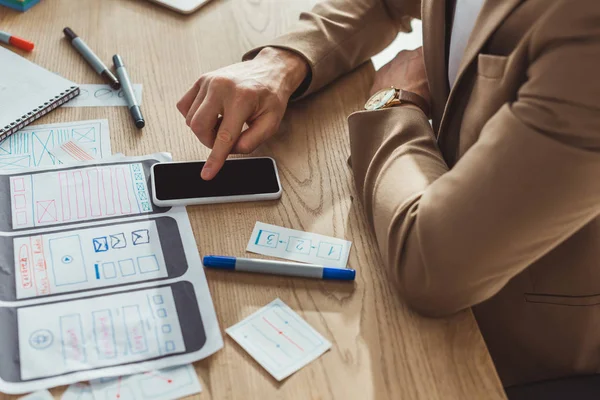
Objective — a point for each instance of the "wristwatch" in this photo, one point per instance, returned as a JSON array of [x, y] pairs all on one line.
[[391, 97]]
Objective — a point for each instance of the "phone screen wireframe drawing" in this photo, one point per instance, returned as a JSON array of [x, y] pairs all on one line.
[[76, 194], [97, 257], [100, 331]]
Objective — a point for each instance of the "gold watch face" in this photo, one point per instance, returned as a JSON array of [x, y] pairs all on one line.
[[380, 99]]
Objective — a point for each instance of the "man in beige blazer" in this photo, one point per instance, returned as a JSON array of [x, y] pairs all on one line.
[[496, 206]]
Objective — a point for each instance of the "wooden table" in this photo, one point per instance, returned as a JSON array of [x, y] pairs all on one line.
[[381, 349]]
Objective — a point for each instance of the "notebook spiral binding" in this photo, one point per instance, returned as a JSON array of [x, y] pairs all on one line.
[[39, 112]]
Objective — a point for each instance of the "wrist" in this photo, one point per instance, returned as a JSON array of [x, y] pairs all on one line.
[[292, 68]]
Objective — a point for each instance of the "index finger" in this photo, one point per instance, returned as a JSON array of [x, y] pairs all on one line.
[[229, 132]]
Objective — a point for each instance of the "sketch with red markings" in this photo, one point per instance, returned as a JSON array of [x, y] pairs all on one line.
[[279, 339], [166, 384]]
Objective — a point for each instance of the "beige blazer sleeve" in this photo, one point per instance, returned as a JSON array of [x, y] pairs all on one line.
[[339, 35], [453, 238]]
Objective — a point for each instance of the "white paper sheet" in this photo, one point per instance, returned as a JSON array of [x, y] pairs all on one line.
[[25, 86], [76, 195], [125, 327], [279, 339], [41, 395], [102, 96], [78, 391], [276, 241], [166, 384], [113, 295], [70, 152], [93, 257], [31, 146]]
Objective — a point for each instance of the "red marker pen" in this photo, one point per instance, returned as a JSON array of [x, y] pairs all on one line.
[[16, 41]]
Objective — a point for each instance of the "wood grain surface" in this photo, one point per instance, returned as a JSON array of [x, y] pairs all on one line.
[[381, 349]]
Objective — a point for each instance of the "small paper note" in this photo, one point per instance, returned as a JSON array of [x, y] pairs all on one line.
[[279, 339], [31, 146], [70, 152], [275, 241], [41, 395], [166, 384], [102, 96], [78, 391]]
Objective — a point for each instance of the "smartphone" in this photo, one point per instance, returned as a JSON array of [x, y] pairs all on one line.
[[41, 341], [75, 260], [74, 195], [240, 179]]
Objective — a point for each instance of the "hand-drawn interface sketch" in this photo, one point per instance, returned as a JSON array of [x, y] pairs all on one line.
[[31, 146], [79, 194], [79, 391], [166, 384], [92, 95], [279, 339], [98, 282], [291, 244], [126, 327], [96, 257]]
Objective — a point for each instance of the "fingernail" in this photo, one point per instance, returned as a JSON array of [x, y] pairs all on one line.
[[206, 173]]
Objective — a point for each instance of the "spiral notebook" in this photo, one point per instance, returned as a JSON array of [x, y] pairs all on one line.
[[28, 92]]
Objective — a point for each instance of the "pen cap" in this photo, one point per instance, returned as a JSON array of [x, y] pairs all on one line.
[[341, 274], [219, 262], [69, 33], [118, 61]]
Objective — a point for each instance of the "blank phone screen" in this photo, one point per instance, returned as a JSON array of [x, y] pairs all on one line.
[[238, 177]]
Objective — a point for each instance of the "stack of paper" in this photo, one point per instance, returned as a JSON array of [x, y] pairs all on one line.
[[98, 281]]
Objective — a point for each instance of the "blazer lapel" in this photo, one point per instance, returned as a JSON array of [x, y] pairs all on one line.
[[492, 15], [490, 18], [433, 15]]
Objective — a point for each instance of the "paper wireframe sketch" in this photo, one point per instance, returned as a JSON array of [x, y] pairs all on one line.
[[102, 288], [166, 384], [70, 152], [30, 147], [41, 395], [94, 257], [92, 95], [78, 391], [122, 328], [276, 241], [77, 195], [279, 339]]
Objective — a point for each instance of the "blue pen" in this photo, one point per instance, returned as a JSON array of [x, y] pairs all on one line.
[[279, 268]]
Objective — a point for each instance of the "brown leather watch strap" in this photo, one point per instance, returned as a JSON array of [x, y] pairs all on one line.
[[404, 96]]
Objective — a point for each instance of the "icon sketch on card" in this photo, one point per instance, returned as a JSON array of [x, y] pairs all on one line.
[[267, 239], [118, 241], [127, 267], [330, 251], [100, 244], [6, 146], [141, 236], [46, 211], [298, 245], [104, 94], [85, 135], [16, 162], [41, 339], [109, 271]]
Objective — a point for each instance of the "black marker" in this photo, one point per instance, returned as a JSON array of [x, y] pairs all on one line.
[[134, 107], [91, 58]]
